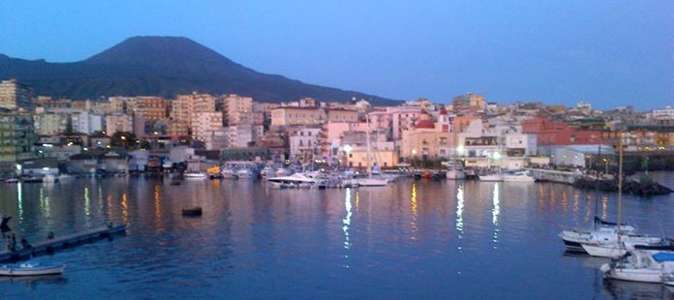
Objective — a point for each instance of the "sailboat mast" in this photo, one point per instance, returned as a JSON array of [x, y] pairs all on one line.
[[620, 184], [367, 137]]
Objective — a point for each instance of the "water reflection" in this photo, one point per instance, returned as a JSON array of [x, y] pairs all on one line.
[[321, 243], [459, 210], [19, 202], [346, 223], [496, 211]]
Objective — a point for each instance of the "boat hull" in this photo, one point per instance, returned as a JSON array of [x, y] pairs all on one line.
[[634, 274], [31, 271]]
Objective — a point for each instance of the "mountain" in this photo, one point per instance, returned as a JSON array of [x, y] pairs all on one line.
[[162, 66]]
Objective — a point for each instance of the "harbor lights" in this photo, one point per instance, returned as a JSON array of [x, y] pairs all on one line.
[[461, 150]]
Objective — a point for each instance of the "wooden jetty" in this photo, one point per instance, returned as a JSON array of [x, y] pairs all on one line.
[[52, 245]]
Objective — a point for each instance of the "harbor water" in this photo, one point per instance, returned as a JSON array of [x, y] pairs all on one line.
[[414, 239]]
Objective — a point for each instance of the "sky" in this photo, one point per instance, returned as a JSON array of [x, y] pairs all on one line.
[[609, 53]]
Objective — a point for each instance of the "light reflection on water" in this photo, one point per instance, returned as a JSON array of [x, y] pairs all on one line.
[[415, 239]]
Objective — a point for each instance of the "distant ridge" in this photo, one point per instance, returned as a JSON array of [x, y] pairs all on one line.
[[163, 66]]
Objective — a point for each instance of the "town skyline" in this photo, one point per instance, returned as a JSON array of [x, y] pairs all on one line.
[[604, 59]]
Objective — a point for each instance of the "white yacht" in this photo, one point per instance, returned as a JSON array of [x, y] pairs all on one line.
[[195, 175], [293, 181], [519, 176], [491, 177], [614, 248], [244, 173], [603, 231], [454, 170], [228, 173], [650, 266]]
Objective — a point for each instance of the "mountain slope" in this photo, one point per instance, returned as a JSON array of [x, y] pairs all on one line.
[[163, 66]]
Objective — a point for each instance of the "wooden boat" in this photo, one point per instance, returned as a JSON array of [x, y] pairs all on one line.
[[192, 212], [30, 270]]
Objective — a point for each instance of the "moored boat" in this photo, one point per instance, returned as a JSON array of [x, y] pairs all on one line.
[[519, 176], [192, 211], [28, 269]]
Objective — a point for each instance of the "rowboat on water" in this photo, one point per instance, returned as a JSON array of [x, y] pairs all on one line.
[[27, 269]]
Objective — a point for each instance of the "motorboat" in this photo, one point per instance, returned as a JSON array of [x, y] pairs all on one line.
[[195, 175], [228, 173], [12, 180], [50, 179], [266, 172], [28, 269], [454, 170], [519, 176], [641, 266], [294, 180], [603, 231], [370, 181], [491, 177], [244, 173], [455, 174]]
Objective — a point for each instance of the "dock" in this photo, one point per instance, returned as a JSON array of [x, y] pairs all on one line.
[[52, 245]]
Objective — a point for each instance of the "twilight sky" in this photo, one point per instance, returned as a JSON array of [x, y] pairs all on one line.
[[607, 52]]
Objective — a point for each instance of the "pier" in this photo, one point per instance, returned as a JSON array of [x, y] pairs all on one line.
[[52, 245]]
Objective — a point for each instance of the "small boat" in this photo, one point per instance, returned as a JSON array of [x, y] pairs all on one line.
[[641, 266], [491, 178], [519, 176], [195, 175], [28, 269], [603, 231], [228, 173], [50, 179], [244, 173], [192, 211], [12, 180]]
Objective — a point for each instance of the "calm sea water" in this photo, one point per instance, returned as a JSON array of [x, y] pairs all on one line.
[[412, 240]]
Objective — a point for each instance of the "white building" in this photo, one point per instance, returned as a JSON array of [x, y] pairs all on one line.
[[241, 136], [305, 144], [85, 122], [666, 113], [204, 124]]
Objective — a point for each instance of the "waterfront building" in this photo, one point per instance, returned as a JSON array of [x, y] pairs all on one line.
[[15, 96], [550, 133], [305, 144], [402, 118], [425, 141], [17, 136], [352, 150], [244, 135]]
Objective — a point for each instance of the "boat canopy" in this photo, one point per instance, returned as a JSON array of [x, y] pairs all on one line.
[[664, 256]]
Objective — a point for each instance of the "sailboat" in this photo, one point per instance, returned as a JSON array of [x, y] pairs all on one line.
[[371, 180]]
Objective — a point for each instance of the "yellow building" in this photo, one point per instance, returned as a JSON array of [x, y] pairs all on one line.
[[385, 158], [150, 108], [342, 115], [425, 142]]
